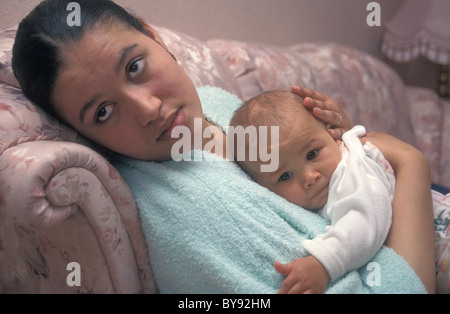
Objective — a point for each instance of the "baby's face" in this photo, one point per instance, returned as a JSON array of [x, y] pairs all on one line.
[[308, 157]]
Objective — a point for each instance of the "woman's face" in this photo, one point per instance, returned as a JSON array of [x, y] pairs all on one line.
[[123, 90]]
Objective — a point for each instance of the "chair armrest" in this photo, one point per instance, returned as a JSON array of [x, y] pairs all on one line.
[[62, 202]]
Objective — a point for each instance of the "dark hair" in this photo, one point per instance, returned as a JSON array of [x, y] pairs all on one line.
[[41, 35]]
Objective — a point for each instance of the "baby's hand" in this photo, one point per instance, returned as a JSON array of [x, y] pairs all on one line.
[[303, 275]]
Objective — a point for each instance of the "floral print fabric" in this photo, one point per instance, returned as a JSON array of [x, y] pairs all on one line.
[[442, 227]]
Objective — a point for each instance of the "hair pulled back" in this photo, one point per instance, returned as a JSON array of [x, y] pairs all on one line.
[[45, 31]]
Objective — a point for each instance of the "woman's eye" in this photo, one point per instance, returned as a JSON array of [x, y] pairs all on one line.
[[136, 68], [104, 113], [311, 155], [285, 176]]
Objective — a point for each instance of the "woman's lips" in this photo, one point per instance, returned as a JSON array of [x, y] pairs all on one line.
[[175, 119]]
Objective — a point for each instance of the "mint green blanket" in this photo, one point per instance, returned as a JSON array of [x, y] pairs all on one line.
[[211, 229]]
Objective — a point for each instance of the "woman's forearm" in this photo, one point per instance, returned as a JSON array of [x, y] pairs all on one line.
[[412, 231]]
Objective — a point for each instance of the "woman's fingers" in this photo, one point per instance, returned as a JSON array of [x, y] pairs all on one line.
[[306, 92], [336, 133], [319, 110], [315, 99], [325, 109], [333, 120]]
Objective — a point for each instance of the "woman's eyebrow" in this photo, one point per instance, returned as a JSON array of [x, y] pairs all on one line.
[[86, 107], [123, 56], [125, 52]]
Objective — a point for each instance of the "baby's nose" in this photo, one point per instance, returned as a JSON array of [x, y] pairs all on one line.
[[311, 178]]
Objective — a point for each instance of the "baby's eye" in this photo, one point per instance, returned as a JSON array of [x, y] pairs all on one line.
[[104, 113], [285, 176], [136, 68], [311, 155]]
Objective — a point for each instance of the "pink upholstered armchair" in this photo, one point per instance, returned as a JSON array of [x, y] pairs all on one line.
[[62, 202]]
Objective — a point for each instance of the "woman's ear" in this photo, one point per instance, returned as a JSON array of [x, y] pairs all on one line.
[[153, 34]]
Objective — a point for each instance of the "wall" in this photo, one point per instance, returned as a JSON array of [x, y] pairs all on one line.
[[278, 22]]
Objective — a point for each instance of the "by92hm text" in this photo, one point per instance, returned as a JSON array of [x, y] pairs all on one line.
[[235, 303]]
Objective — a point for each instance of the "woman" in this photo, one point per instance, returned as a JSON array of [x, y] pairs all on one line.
[[114, 81]]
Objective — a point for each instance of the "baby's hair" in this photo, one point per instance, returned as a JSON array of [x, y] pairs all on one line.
[[261, 111]]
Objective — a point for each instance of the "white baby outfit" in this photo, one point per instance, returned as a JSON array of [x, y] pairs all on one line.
[[359, 207]]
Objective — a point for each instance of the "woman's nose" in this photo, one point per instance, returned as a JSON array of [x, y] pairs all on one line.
[[147, 109]]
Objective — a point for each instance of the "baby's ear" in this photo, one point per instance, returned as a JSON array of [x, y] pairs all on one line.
[[152, 33]]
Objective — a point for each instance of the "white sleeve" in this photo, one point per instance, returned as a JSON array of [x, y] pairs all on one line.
[[360, 210]]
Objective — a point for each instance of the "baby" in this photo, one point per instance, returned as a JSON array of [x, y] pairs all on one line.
[[349, 183]]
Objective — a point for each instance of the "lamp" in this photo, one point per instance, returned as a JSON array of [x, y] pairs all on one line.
[[421, 28]]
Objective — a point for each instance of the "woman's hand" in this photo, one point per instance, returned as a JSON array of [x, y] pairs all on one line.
[[325, 109]]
